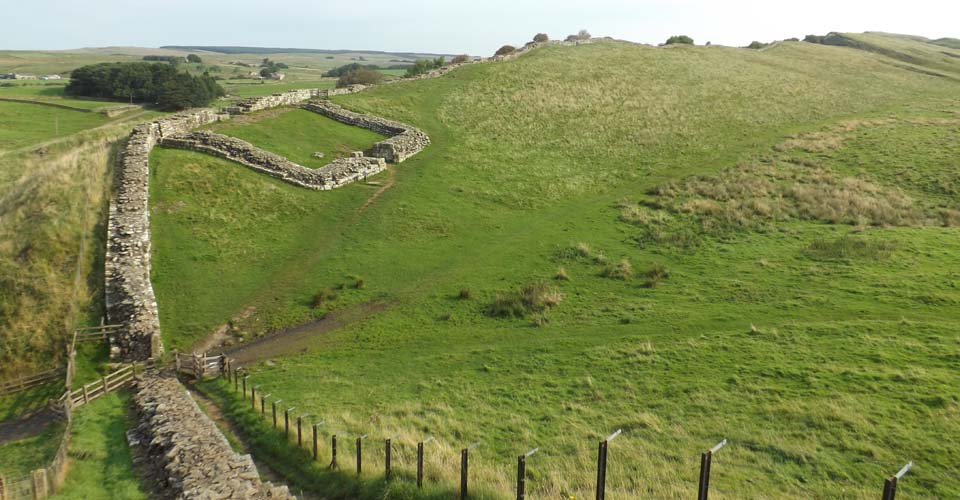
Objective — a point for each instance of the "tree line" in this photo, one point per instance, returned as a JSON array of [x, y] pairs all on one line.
[[154, 83]]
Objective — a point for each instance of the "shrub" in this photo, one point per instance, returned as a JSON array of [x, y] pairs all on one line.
[[462, 58], [358, 282], [424, 65], [684, 39], [757, 45], [506, 49], [322, 297], [465, 294], [529, 299], [541, 37], [656, 274], [562, 274], [619, 271], [571, 38], [361, 76], [600, 258], [193, 58], [583, 35], [813, 39], [346, 68]]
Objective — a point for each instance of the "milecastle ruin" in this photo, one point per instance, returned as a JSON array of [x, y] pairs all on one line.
[[186, 451]]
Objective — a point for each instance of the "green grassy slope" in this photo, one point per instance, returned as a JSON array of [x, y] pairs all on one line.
[[101, 465], [826, 361], [920, 56], [26, 124], [296, 134]]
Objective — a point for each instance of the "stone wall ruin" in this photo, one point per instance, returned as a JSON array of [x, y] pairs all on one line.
[[404, 141], [338, 172], [184, 450], [130, 299]]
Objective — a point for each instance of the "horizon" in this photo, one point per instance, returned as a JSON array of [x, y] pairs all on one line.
[[449, 28]]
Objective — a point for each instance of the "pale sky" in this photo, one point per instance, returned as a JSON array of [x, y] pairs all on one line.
[[449, 26]]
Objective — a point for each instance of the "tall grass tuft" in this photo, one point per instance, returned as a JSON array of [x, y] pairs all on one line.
[[529, 299], [620, 271]]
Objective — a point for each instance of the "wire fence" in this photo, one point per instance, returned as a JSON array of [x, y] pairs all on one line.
[[280, 414]]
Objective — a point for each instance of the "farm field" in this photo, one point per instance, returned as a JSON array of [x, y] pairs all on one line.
[[251, 88], [26, 124], [688, 243], [53, 94]]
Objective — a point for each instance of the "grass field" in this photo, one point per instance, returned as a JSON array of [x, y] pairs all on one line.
[[101, 465], [26, 124], [296, 134], [821, 347], [53, 93], [253, 88]]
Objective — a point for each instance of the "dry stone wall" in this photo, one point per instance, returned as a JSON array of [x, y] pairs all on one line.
[[338, 172], [129, 294], [404, 142], [185, 451], [288, 98]]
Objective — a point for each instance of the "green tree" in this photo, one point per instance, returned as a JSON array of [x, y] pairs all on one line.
[[684, 39], [362, 76], [541, 37], [193, 58]]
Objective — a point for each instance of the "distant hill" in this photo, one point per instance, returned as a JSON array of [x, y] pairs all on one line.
[[278, 50], [953, 43]]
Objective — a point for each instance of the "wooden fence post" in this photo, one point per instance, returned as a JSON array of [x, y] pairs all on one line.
[[359, 455], [104, 380], [602, 465], [176, 360], [86, 398], [39, 477], [3, 488], [314, 443], [420, 465], [386, 458], [706, 460], [299, 432], [333, 451], [464, 467], [522, 473], [890, 484]]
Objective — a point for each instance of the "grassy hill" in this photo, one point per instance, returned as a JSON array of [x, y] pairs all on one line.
[[688, 243]]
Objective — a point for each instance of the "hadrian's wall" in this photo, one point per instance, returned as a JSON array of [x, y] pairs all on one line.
[[129, 294], [404, 141], [338, 172], [184, 450]]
